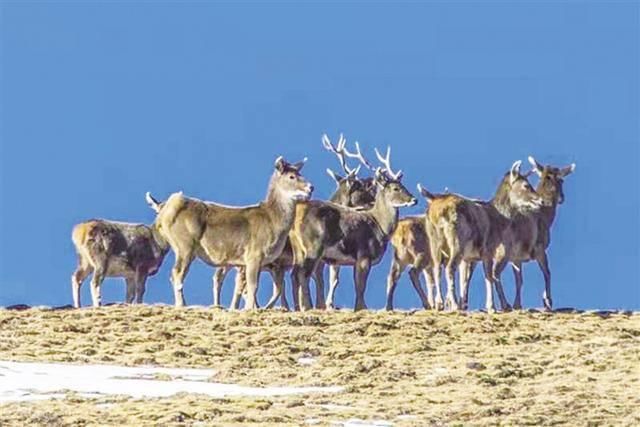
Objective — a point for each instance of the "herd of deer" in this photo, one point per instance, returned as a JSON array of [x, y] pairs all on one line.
[[288, 231]]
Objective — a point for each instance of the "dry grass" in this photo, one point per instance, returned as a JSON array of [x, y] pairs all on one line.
[[443, 369]]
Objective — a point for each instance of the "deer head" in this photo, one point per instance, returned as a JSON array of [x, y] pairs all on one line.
[[518, 191], [351, 190], [288, 180], [389, 183], [551, 182]]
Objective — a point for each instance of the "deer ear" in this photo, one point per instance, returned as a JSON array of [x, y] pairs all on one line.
[[337, 178], [537, 167], [298, 165], [280, 164], [514, 173], [567, 170], [380, 178], [153, 203]]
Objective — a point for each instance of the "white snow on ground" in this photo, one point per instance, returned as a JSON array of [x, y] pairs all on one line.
[[306, 360], [355, 422], [37, 381]]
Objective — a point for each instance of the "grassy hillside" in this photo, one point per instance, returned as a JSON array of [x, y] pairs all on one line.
[[419, 368]]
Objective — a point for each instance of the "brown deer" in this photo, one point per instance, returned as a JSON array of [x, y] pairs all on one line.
[[350, 191], [532, 233], [252, 236], [339, 235], [468, 231], [116, 249], [411, 249]]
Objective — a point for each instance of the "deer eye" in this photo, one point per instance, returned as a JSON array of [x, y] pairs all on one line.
[[291, 177]]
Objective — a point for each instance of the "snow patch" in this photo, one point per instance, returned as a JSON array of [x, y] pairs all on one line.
[[38, 381], [306, 361], [355, 422]]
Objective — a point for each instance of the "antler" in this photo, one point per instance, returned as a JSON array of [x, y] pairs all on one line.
[[386, 161], [358, 155], [340, 152]]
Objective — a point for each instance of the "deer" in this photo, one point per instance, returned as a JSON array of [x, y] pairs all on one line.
[[350, 191], [471, 230], [250, 236], [532, 233], [339, 235], [411, 248], [116, 249]]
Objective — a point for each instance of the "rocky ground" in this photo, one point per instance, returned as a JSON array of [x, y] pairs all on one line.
[[403, 368]]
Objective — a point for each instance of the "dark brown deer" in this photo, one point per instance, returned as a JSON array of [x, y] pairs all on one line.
[[339, 235], [252, 236], [350, 191], [532, 233], [116, 249], [468, 231]]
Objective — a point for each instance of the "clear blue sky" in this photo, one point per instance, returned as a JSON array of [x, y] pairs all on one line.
[[102, 102]]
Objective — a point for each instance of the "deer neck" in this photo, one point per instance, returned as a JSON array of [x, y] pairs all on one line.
[[161, 243], [340, 198], [385, 215], [501, 201], [548, 212], [280, 208]]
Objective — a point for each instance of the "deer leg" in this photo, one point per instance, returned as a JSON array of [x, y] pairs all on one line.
[[462, 278], [450, 269], [318, 276], [437, 271], [414, 275], [466, 271], [218, 279], [517, 275], [392, 280], [295, 287], [498, 268], [131, 290], [334, 276], [277, 274], [96, 282], [304, 273], [252, 274], [141, 287], [238, 289], [431, 286], [361, 274], [469, 266], [283, 296], [79, 275], [488, 281], [543, 262], [178, 273]]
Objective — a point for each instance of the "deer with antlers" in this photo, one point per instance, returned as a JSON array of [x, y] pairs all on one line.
[[339, 235], [469, 230], [252, 236], [350, 191]]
